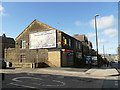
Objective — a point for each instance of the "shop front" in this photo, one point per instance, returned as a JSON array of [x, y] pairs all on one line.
[[67, 57]]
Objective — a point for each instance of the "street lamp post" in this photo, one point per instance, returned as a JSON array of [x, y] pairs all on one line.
[[96, 37]]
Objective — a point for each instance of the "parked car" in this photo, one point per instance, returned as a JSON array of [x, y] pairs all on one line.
[[118, 61], [3, 64], [113, 61]]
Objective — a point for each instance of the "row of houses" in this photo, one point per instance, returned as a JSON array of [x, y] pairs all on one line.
[[5, 42], [119, 52], [41, 43]]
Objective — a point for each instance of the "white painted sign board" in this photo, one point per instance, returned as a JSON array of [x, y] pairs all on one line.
[[45, 39]]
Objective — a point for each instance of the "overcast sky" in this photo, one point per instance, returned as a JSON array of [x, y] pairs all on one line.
[[72, 18]]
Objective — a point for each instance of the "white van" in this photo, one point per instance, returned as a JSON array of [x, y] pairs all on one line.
[[94, 60]]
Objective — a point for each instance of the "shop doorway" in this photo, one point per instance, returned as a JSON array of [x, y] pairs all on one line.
[[69, 59]]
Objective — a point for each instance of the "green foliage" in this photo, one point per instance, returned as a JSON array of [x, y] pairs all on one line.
[[101, 60]]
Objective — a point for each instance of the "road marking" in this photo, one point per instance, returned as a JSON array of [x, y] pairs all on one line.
[[15, 79], [63, 84], [22, 85], [116, 83], [42, 82]]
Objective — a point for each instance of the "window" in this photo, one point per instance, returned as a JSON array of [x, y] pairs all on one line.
[[64, 41], [63, 37], [22, 58], [69, 42], [79, 46], [76, 44], [23, 44]]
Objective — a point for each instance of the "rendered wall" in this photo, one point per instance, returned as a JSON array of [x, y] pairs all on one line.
[[54, 59]]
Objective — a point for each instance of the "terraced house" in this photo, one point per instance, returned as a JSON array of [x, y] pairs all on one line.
[[5, 42], [40, 43]]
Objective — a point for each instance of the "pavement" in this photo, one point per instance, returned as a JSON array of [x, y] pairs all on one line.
[[102, 71], [103, 77], [112, 81], [95, 72]]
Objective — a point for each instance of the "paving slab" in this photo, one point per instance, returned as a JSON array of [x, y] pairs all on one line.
[[102, 72], [84, 72], [52, 72]]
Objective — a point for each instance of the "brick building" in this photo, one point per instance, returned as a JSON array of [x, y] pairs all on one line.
[[119, 52], [86, 45], [5, 42], [62, 52]]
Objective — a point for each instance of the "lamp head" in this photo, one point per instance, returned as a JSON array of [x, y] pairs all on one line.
[[96, 15]]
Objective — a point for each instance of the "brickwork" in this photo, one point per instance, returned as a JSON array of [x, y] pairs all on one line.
[[51, 56], [31, 56], [13, 55], [5, 42]]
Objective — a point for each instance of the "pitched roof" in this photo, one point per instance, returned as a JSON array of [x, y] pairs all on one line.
[[33, 23], [3, 35], [80, 37], [90, 43]]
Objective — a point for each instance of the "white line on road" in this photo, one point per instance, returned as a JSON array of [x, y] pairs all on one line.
[[15, 79], [63, 84], [42, 82], [116, 83], [22, 85]]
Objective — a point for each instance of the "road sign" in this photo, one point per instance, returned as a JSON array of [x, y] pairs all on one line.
[[88, 59]]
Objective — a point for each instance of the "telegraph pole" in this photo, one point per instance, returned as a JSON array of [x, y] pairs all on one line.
[[103, 51]]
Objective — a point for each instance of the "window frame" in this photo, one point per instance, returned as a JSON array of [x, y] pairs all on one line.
[[76, 44], [23, 44], [69, 42]]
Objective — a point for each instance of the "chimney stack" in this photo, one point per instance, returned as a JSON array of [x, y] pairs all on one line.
[[3, 35]]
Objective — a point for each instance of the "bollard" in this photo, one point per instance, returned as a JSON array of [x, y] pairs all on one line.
[[33, 65]]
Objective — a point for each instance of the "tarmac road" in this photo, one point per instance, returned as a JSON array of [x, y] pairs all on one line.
[[42, 78], [117, 66], [38, 81]]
